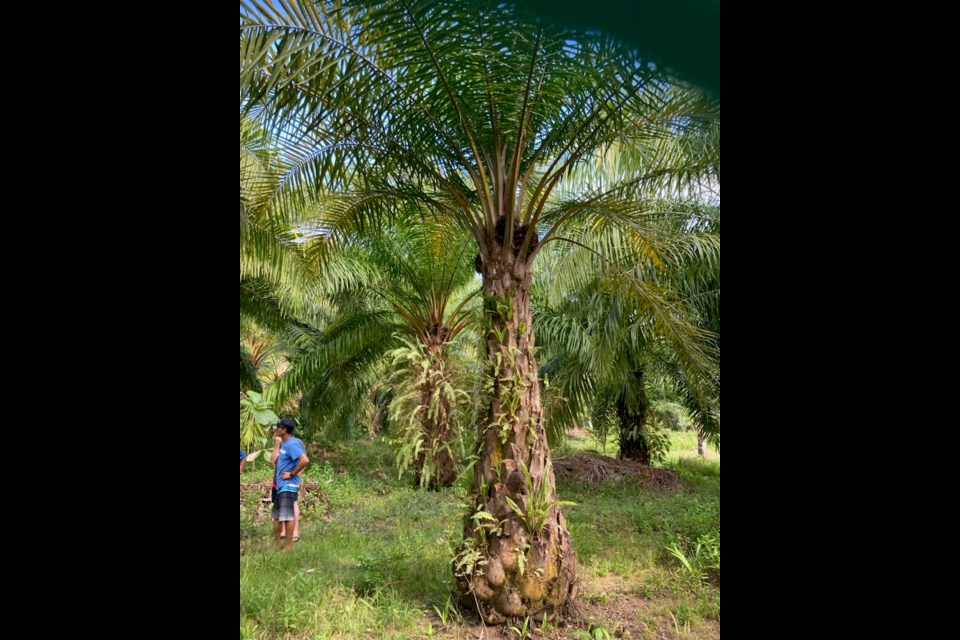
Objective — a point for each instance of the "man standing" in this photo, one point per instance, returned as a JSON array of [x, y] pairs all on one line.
[[290, 460], [243, 459]]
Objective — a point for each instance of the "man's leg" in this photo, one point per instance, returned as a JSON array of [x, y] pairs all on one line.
[[287, 516], [296, 520], [273, 499], [277, 525], [288, 526]]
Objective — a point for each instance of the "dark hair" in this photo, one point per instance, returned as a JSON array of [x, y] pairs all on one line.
[[287, 424]]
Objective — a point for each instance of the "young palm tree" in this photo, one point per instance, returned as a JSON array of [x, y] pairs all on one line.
[[482, 114], [401, 322]]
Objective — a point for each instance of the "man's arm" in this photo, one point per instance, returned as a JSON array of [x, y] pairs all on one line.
[[302, 463], [276, 450]]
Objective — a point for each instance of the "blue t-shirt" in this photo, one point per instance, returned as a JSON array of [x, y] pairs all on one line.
[[290, 452], [242, 454]]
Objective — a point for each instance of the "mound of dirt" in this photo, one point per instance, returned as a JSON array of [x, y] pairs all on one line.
[[594, 468]]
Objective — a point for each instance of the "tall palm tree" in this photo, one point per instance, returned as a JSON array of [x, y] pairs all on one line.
[[481, 113]]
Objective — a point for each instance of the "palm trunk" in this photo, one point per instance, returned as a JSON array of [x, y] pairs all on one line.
[[632, 412], [516, 559], [633, 446], [435, 459], [380, 410]]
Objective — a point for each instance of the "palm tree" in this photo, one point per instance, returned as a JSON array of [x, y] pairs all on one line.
[[280, 281], [270, 263], [248, 371], [481, 113], [603, 344], [402, 321]]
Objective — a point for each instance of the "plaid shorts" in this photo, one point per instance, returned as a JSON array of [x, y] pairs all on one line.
[[283, 506]]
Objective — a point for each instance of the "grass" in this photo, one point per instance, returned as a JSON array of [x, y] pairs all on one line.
[[683, 446], [373, 560], [622, 533]]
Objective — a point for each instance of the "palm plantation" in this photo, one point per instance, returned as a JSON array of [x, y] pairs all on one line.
[[494, 121]]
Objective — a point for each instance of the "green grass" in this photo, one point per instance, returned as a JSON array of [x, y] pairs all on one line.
[[683, 446], [373, 560], [623, 529]]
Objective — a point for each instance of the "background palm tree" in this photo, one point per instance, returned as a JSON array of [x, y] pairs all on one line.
[[288, 268], [603, 337], [272, 268], [400, 323]]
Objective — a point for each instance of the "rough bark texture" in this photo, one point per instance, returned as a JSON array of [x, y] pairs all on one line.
[[381, 408], [435, 422], [523, 563]]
